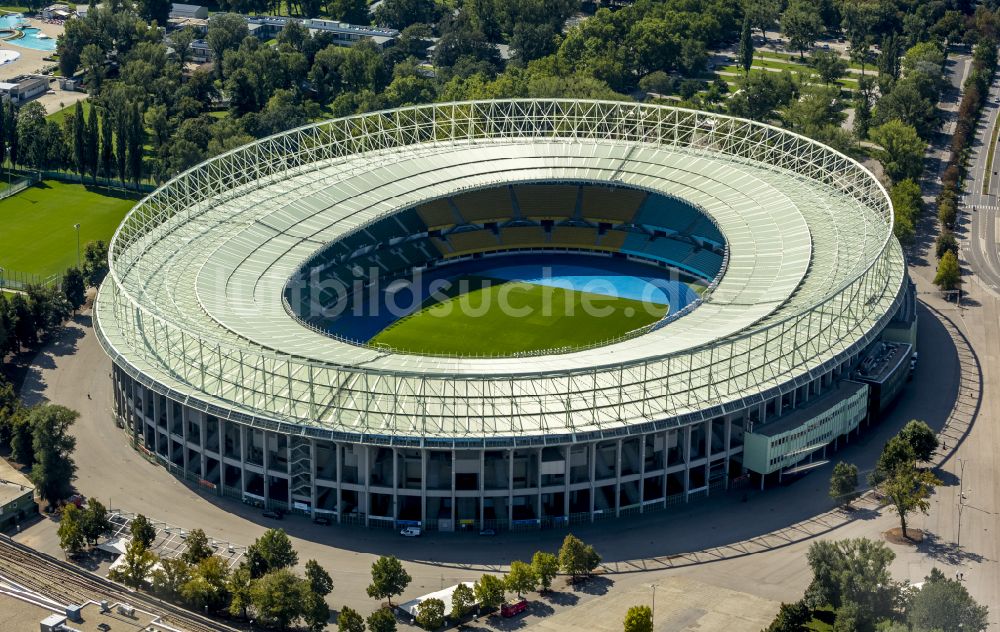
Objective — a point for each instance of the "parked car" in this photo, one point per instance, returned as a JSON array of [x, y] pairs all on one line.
[[321, 520], [275, 515], [513, 609], [410, 532], [487, 532]]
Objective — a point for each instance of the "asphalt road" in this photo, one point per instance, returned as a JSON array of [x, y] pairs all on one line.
[[979, 226]]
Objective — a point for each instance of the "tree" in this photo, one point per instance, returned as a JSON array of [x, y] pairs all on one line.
[[844, 483], [182, 41], [154, 10], [350, 11], [945, 242], [388, 578], [944, 604], [121, 135], [107, 159], [902, 152], [71, 536], [238, 587], [948, 276], [319, 580], [54, 469], [791, 617], [315, 611], [170, 577], [225, 32], [639, 619], [577, 558], [92, 143], [907, 490], [136, 141], [763, 14], [746, 46], [138, 562], [399, 14], [802, 25], [896, 453], [489, 591], [143, 530], [95, 521], [520, 579], [546, 567], [829, 65], [462, 599], [73, 288], [907, 203], [383, 620], [852, 571], [921, 438], [864, 96], [207, 590], [196, 547], [270, 552], [279, 597], [350, 621], [79, 140], [430, 614]]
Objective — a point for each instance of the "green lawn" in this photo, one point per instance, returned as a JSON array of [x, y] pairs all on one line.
[[474, 324], [36, 225], [61, 115]]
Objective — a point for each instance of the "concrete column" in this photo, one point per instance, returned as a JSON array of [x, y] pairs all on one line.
[[203, 440], [288, 470], [538, 487], [366, 452], [510, 487], [687, 461], [728, 438], [666, 464], [338, 451], [482, 487], [266, 459], [454, 502], [243, 460], [618, 476], [395, 484], [642, 471], [567, 458], [592, 463], [156, 423], [313, 495], [423, 487]]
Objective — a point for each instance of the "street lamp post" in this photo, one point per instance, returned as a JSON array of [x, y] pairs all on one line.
[[961, 499], [652, 614], [77, 227]]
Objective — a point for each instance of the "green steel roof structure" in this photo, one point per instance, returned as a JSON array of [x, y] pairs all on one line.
[[193, 305]]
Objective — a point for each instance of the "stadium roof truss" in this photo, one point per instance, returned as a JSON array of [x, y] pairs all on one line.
[[193, 307]]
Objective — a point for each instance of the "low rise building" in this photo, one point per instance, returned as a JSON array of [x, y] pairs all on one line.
[[344, 34], [23, 88], [186, 11]]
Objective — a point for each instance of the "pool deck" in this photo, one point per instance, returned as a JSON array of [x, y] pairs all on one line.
[[32, 61]]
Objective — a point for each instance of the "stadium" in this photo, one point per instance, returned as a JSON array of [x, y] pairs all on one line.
[[281, 327]]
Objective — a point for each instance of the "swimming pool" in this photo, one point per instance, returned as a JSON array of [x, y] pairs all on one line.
[[32, 38]]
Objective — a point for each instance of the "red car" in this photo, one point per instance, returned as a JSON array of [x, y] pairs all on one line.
[[513, 609]]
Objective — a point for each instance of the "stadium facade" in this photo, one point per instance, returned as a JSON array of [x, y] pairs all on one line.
[[803, 336]]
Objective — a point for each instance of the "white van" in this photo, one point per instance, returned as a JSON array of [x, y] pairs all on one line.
[[410, 532]]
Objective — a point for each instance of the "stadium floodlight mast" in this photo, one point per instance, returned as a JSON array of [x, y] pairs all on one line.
[[77, 227]]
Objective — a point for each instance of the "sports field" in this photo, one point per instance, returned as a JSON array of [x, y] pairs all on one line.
[[36, 225], [502, 318]]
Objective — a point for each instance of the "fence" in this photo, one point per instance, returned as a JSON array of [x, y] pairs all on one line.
[[17, 280], [22, 183]]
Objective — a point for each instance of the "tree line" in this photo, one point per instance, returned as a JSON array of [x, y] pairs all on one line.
[[29, 317], [38, 437], [852, 589]]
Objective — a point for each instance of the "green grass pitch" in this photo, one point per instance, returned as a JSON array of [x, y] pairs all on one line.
[[473, 323], [36, 225]]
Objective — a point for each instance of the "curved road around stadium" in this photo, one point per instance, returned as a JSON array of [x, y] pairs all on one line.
[[751, 551]]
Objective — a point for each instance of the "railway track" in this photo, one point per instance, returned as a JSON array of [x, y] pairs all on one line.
[[66, 583]]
